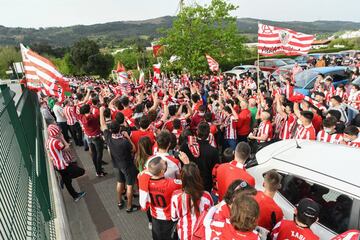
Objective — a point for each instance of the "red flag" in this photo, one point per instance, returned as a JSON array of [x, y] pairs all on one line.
[[120, 68], [156, 48], [274, 40], [213, 65]]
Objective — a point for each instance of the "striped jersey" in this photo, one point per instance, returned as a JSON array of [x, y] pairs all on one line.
[[230, 127], [70, 115], [286, 130], [265, 128], [182, 210], [60, 158], [156, 194], [355, 143], [323, 136], [306, 133]]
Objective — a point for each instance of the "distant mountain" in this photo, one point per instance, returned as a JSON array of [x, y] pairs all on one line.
[[112, 33]]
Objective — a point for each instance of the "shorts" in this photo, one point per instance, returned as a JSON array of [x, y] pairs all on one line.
[[126, 175]]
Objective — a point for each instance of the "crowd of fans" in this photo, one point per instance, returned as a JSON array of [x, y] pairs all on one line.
[[184, 145]]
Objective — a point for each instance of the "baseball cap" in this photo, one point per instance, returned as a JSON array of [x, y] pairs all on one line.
[[308, 210]]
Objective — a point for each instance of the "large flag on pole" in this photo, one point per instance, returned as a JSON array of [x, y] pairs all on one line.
[[213, 65], [41, 74], [274, 40]]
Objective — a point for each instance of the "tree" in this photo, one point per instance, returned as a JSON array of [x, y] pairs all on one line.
[[205, 29], [100, 64], [129, 57], [85, 58], [80, 53], [8, 55]]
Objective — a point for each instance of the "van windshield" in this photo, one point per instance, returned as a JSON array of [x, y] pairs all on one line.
[[303, 78]]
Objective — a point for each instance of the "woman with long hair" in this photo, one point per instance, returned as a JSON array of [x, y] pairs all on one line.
[[187, 204], [143, 153]]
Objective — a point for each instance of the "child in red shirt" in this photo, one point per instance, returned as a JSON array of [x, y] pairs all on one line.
[[306, 213]]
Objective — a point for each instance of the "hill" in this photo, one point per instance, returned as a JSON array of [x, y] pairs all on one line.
[[112, 33]]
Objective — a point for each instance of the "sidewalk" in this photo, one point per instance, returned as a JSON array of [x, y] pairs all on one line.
[[97, 217]]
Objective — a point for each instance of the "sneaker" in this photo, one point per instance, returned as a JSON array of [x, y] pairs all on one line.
[[104, 163], [102, 174], [150, 226], [80, 195], [133, 208], [121, 204]]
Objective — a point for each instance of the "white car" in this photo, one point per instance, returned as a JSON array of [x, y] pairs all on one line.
[[238, 74], [327, 173], [245, 68]]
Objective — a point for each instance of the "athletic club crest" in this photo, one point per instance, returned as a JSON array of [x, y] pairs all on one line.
[[284, 37]]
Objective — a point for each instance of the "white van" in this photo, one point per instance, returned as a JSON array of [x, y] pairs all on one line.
[[327, 173]]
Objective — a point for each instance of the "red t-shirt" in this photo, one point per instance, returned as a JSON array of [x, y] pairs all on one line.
[[267, 207], [195, 120], [288, 230], [244, 122], [128, 112], [213, 129], [113, 113], [225, 231], [226, 173], [317, 122], [91, 125], [169, 125], [136, 135]]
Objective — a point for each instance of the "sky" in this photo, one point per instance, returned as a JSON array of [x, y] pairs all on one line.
[[50, 13]]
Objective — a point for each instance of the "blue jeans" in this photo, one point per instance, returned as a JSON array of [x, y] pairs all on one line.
[[97, 146], [231, 143]]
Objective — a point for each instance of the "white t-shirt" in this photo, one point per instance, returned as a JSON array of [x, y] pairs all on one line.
[[58, 111]]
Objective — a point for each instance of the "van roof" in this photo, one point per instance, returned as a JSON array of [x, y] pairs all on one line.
[[336, 161]]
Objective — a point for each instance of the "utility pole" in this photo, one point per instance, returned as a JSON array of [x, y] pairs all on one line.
[[181, 4]]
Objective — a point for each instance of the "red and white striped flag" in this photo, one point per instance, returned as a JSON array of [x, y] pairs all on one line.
[[213, 65], [41, 74], [274, 40], [157, 73]]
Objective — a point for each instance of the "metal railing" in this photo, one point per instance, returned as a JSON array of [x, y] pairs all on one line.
[[27, 204]]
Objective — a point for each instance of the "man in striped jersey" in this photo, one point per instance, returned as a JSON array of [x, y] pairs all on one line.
[[305, 128], [351, 136], [231, 118], [155, 192], [61, 159], [71, 120], [265, 132], [328, 133]]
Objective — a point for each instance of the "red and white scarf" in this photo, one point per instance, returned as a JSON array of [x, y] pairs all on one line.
[[194, 146]]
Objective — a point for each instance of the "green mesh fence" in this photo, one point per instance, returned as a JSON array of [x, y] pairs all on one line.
[[25, 203]]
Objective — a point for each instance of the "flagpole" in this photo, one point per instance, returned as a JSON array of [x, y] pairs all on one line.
[[258, 63], [258, 71]]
